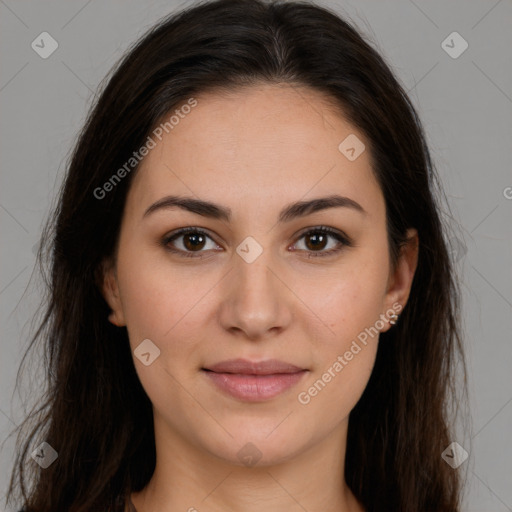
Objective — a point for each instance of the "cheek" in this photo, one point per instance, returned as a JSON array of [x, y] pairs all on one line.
[[168, 307], [154, 295], [350, 305], [344, 354], [143, 303], [346, 301], [161, 306]]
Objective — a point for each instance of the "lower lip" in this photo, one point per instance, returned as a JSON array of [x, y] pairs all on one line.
[[254, 388]]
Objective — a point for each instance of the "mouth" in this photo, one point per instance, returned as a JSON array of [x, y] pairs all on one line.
[[254, 381]]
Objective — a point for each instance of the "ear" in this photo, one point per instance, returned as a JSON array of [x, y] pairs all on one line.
[[400, 279], [107, 280]]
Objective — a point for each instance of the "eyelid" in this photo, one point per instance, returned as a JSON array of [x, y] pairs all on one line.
[[325, 229]]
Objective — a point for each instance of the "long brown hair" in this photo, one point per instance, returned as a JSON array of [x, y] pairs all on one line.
[[94, 411]]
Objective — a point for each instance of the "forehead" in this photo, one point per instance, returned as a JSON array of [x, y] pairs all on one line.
[[256, 146]]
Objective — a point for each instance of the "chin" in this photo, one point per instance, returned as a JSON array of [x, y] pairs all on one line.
[[259, 450]]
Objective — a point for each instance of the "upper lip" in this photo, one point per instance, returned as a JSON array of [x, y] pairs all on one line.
[[243, 366]]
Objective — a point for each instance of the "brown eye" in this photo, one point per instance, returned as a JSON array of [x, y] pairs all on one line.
[[316, 240], [189, 242], [193, 241]]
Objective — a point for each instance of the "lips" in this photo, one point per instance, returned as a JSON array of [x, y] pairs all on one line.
[[254, 381], [245, 367]]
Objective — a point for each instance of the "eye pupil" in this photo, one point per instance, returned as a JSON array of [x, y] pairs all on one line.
[[198, 241], [319, 241]]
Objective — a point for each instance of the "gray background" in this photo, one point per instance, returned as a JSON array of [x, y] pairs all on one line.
[[465, 104]]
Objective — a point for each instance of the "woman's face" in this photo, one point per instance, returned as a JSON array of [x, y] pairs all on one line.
[[259, 281]]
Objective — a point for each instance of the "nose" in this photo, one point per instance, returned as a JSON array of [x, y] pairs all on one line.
[[256, 299]]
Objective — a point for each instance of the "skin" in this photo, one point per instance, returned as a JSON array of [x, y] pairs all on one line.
[[254, 150]]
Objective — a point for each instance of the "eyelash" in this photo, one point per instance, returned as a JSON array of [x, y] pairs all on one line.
[[344, 240]]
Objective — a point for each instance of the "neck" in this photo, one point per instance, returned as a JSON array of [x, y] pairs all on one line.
[[186, 478]]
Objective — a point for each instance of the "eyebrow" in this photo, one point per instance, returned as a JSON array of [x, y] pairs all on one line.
[[290, 212]]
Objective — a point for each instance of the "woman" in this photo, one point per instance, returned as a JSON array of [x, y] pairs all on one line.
[[251, 305]]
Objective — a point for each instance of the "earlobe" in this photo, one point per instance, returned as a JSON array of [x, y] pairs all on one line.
[[110, 291]]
